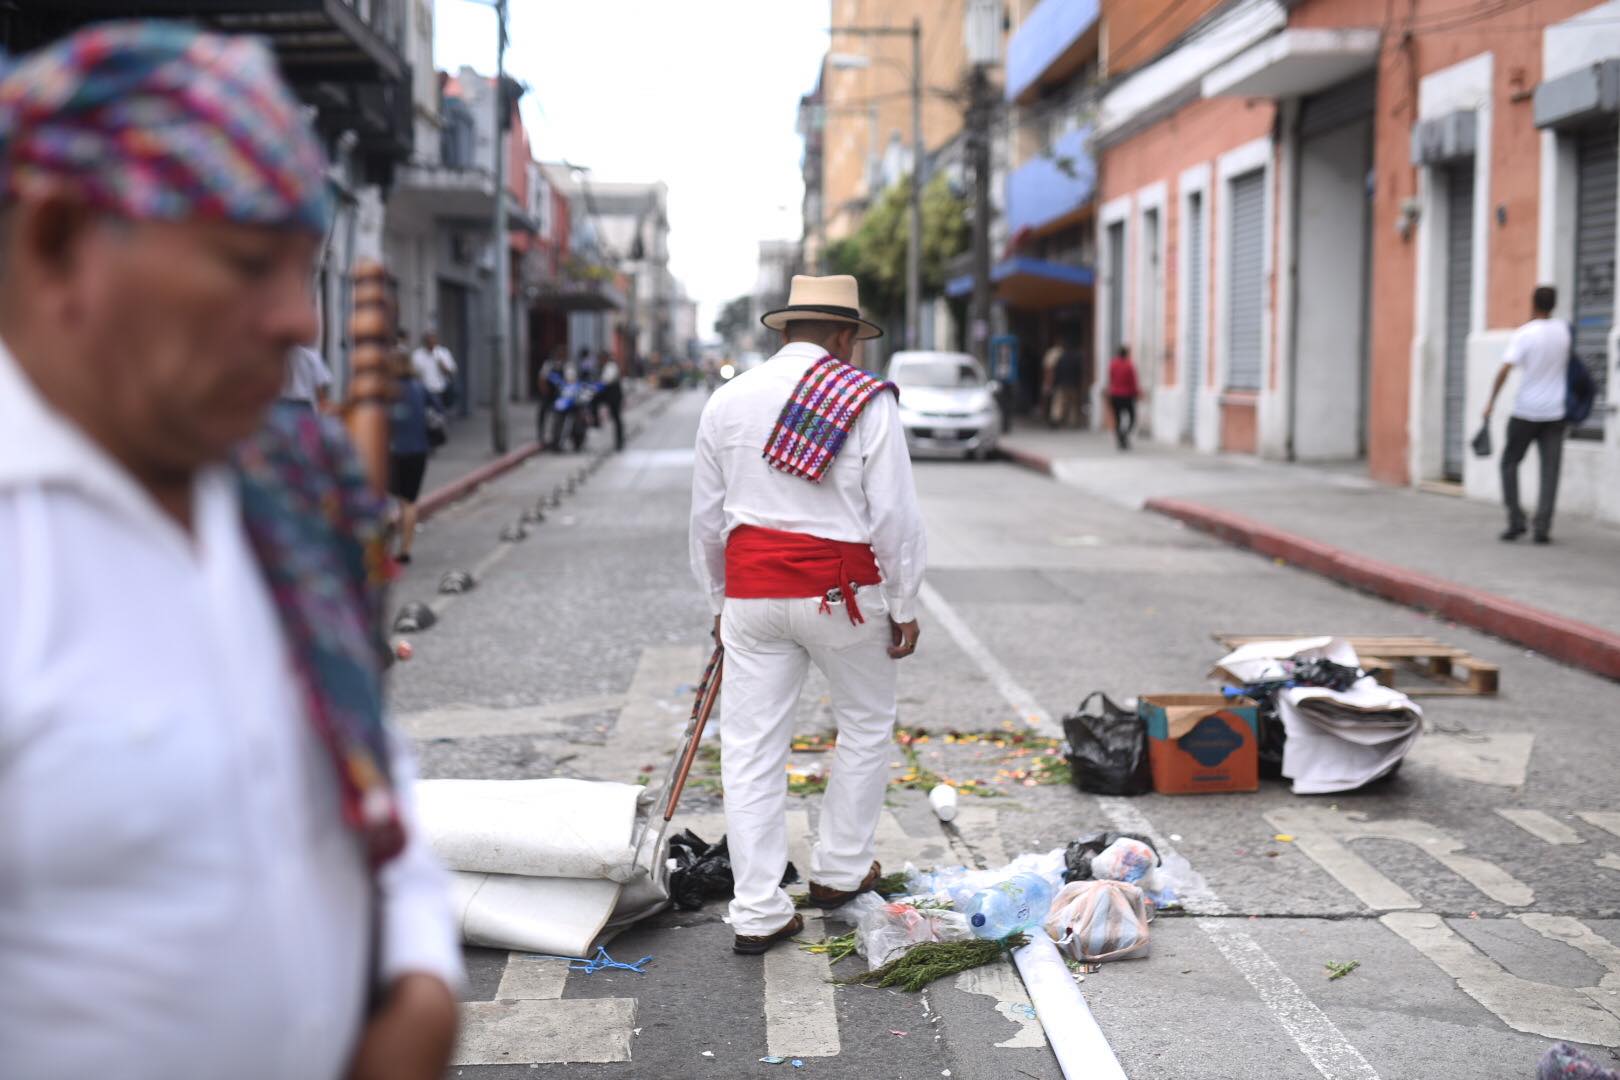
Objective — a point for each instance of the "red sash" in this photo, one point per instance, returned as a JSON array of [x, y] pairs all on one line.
[[768, 564]]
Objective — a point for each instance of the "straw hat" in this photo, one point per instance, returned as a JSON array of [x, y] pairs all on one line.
[[824, 299]]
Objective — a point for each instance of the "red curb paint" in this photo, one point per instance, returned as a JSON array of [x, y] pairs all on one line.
[[460, 488], [1568, 640], [1039, 462]]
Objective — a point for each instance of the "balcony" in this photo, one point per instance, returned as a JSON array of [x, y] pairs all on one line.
[[1057, 39], [1051, 189], [345, 57]]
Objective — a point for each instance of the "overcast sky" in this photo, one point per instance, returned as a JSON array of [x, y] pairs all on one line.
[[702, 95]]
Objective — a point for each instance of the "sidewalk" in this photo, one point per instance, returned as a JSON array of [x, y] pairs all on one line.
[[1430, 551], [468, 459]]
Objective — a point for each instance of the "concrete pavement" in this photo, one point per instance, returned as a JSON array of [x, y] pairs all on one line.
[[1476, 888], [1433, 551]]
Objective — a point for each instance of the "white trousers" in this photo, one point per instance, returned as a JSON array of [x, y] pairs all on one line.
[[769, 646]]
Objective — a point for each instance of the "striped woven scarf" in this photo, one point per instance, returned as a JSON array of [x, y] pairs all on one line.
[[819, 416]]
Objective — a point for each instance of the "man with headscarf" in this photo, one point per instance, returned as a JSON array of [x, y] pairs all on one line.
[[207, 856]]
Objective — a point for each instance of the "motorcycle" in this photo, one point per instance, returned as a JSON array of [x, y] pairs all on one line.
[[571, 413]]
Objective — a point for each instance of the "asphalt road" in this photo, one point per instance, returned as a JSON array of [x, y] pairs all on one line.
[[1477, 889]]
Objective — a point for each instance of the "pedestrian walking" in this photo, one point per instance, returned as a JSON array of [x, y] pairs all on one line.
[[612, 396], [436, 367], [210, 865], [1539, 350], [545, 390], [408, 448], [309, 380], [1122, 395], [1068, 371], [807, 538]]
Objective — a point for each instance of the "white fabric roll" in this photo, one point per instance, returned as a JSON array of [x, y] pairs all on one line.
[[533, 828], [553, 916]]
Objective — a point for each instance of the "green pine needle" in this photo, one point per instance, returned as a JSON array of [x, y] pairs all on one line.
[[834, 948], [1337, 969], [931, 960]]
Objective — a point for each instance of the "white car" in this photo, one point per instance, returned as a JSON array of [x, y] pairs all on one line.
[[947, 403]]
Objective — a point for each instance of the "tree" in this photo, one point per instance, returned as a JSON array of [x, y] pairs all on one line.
[[735, 317], [876, 252]]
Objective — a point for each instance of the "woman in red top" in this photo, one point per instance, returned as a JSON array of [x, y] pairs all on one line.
[[1122, 394]]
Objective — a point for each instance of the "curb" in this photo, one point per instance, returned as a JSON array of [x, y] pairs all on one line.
[[1568, 640], [1028, 459], [458, 489]]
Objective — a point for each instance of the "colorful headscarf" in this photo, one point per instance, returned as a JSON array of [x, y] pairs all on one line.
[[161, 121]]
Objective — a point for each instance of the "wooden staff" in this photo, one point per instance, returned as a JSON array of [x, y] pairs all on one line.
[[707, 691], [371, 384]]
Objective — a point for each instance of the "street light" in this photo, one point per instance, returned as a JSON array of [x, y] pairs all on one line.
[[914, 234]]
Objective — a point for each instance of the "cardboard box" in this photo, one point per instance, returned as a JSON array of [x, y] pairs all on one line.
[[1201, 743]]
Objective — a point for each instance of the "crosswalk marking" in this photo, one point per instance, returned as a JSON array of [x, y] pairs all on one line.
[[801, 1017], [532, 978], [594, 1030], [1578, 935], [1607, 820], [1001, 982], [1554, 1012], [1540, 825], [1324, 836]]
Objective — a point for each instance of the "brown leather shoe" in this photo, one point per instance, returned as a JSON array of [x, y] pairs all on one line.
[[823, 897], [753, 946]]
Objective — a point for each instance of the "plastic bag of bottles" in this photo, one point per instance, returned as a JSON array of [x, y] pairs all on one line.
[[1100, 920]]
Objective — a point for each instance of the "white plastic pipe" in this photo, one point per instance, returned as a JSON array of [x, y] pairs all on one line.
[[943, 799], [1081, 1049]]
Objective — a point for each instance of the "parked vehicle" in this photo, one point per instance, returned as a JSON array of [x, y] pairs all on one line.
[[947, 403], [571, 416]]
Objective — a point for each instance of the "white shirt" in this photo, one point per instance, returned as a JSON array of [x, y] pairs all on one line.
[[867, 496], [307, 374], [434, 367], [178, 895], [1540, 350]]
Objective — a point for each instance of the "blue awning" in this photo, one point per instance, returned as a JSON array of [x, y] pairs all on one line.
[[1016, 278]]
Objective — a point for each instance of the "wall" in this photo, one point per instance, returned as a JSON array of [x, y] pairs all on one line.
[[1135, 31], [1140, 172], [877, 99]]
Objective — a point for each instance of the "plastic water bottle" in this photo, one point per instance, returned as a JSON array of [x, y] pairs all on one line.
[[1012, 906]]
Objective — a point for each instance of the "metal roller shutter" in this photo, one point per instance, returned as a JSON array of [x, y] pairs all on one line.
[[1459, 307], [1336, 106], [1245, 281], [1596, 151], [1116, 287], [1194, 365]]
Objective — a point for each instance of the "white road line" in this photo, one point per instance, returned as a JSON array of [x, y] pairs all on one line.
[[1500, 758], [801, 1019], [1317, 1036], [596, 1030], [532, 978], [1009, 688], [1577, 935], [1554, 1012], [1607, 861], [1540, 825], [1607, 820]]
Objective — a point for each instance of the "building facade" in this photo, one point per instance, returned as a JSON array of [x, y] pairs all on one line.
[[1317, 228]]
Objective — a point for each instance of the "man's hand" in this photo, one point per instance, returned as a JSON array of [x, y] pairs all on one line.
[[902, 638], [412, 1036], [715, 633]]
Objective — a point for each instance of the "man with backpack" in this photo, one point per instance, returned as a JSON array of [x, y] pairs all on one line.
[[1540, 349]]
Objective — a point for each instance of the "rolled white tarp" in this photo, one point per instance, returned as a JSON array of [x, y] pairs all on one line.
[[1082, 1051], [553, 916], [532, 828]]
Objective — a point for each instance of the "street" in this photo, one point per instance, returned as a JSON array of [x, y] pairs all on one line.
[[1476, 888]]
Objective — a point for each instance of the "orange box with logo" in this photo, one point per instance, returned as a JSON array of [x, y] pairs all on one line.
[[1201, 743]]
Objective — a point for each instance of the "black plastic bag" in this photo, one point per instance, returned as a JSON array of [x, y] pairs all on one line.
[[1078, 855], [703, 871], [1107, 748]]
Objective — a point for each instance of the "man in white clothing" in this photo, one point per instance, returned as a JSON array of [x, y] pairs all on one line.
[[807, 538], [309, 380], [1540, 351], [208, 859], [436, 367]]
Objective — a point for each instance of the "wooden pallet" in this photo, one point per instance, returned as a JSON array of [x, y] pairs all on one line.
[[1385, 656]]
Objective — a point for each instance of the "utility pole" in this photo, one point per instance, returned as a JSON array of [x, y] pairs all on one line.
[[918, 158], [501, 376], [979, 123]]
